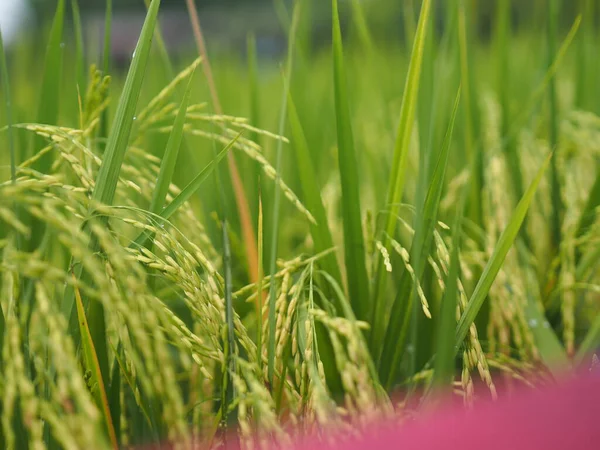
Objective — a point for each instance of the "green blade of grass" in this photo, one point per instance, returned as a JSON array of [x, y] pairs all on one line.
[[92, 365], [302, 336], [502, 47], [527, 109], [410, 23], [399, 165], [426, 221], [495, 263], [114, 394], [354, 247], [189, 190], [191, 166], [254, 95], [396, 330], [475, 153], [162, 48], [474, 157], [362, 27], [320, 231], [114, 154], [512, 125], [106, 55], [277, 194], [8, 105], [588, 216], [551, 350], [108, 176], [586, 84], [229, 348], [195, 184], [137, 390], [259, 286], [311, 189], [350, 315], [590, 342], [511, 152], [80, 65], [107, 45], [587, 263], [241, 198], [51, 81], [2, 327], [554, 119], [427, 111], [253, 167], [167, 167], [443, 369], [48, 110]]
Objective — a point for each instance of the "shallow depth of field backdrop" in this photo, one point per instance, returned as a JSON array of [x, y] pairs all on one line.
[[286, 217]]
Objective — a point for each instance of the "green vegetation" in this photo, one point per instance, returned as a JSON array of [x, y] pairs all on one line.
[[276, 250]]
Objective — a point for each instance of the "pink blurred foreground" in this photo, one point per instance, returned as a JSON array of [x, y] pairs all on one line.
[[563, 416]]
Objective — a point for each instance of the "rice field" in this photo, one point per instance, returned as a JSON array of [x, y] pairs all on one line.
[[213, 243]]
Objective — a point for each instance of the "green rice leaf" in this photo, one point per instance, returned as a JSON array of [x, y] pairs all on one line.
[[399, 165], [474, 157], [48, 110], [349, 314], [92, 366], [259, 285], [587, 262], [588, 216], [443, 371], [189, 190], [552, 352], [106, 55], [195, 184], [554, 119], [396, 330], [51, 82], [495, 263], [590, 342], [162, 48], [354, 247], [8, 105], [586, 86], [114, 394], [108, 176], [106, 182], [277, 195], [538, 93], [444, 365], [253, 181], [311, 189], [137, 390], [167, 167], [2, 327], [80, 65], [253, 86], [512, 125], [230, 351], [362, 27]]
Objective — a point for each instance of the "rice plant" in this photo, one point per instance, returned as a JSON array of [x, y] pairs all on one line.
[[208, 249]]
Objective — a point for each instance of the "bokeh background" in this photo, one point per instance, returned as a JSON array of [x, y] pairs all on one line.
[[228, 22]]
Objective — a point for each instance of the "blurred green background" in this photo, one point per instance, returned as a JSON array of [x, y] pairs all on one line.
[[228, 21]]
